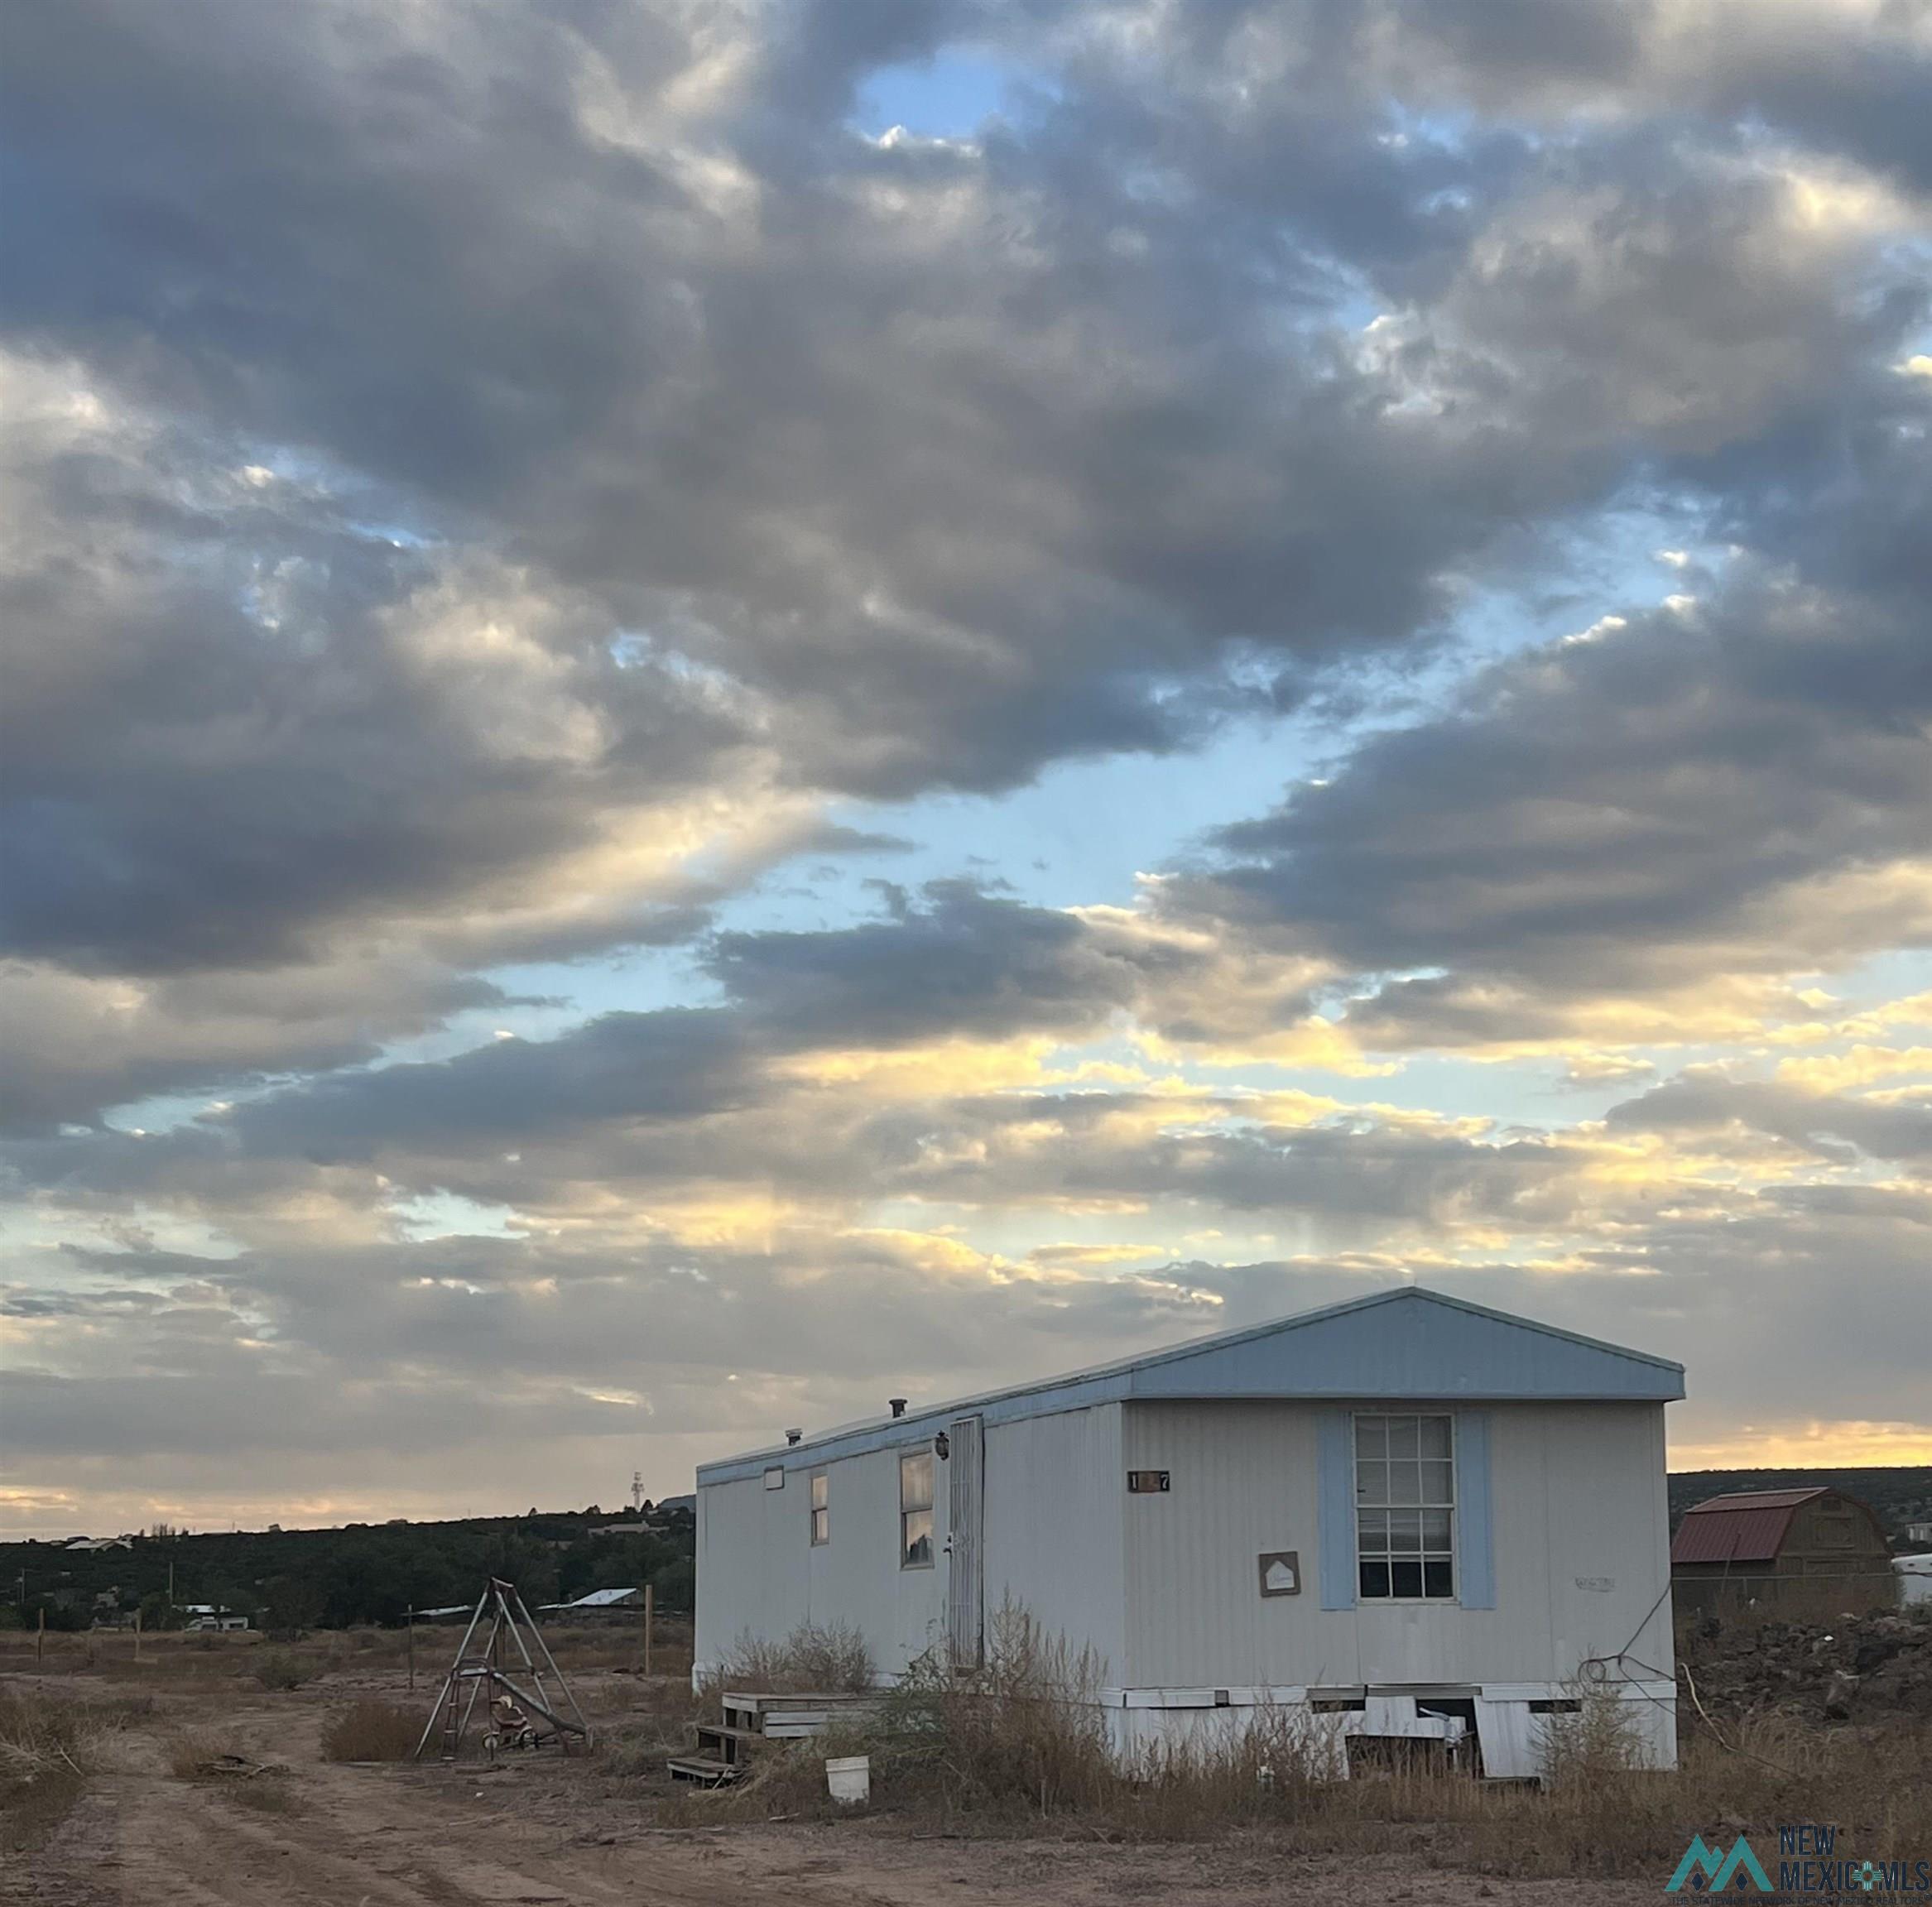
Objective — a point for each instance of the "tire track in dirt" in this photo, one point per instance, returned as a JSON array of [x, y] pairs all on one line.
[[355, 1837]]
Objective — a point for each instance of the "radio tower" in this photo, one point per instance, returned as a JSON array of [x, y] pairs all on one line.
[[637, 1492]]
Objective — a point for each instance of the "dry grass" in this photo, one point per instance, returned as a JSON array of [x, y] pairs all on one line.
[[197, 1756], [1593, 1820], [1026, 1733], [1022, 1739], [371, 1732], [174, 1659], [1600, 1740], [112, 1653], [282, 1669], [50, 1744], [1876, 1784], [654, 1723], [616, 1644], [829, 1660], [1021, 1749], [187, 1754]]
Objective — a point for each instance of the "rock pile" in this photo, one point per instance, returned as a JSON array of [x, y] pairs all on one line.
[[1860, 1668]]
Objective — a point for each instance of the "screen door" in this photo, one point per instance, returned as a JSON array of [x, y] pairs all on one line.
[[966, 1505]]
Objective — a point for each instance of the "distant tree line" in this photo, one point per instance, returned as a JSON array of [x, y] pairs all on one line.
[[291, 1580]]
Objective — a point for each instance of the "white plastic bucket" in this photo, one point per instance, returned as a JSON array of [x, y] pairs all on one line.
[[849, 1778]]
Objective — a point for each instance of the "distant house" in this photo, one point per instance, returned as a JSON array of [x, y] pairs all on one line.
[[209, 1615], [92, 1545], [1918, 1533], [1915, 1579], [1782, 1548], [653, 1517], [599, 1602]]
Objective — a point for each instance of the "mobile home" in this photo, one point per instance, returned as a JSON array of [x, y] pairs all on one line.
[[1406, 1515]]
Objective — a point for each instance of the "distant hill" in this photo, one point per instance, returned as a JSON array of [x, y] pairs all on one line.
[[362, 1572], [1900, 1495]]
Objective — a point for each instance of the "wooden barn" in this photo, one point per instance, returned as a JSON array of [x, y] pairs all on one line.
[[1804, 1552]]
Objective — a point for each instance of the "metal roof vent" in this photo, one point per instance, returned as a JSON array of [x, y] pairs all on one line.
[[794, 1436], [898, 1405]]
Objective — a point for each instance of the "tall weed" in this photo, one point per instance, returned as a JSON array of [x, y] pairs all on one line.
[[372, 1732], [829, 1660]]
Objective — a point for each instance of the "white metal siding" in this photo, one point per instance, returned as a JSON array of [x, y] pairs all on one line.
[[1577, 1491], [759, 1572], [1054, 1492], [1053, 1489]]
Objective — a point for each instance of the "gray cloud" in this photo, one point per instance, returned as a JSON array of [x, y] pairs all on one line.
[[966, 458], [1829, 1126], [482, 482], [234, 721], [967, 965], [1618, 816]]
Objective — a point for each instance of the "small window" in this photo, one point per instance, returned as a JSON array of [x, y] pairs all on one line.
[[1405, 1508], [821, 1507], [775, 1477], [915, 1472]]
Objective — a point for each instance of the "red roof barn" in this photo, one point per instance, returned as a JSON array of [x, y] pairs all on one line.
[[1761, 1545]]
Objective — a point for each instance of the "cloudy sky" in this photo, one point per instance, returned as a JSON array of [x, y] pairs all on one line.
[[713, 709]]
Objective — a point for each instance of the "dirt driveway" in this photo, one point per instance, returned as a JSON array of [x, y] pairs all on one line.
[[543, 1831]]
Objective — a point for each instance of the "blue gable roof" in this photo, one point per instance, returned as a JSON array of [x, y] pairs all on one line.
[[1407, 1344]]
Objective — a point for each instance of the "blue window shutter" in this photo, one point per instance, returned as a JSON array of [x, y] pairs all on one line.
[[1476, 1547], [1335, 1465]]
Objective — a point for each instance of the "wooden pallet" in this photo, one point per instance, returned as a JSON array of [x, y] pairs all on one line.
[[702, 1770], [788, 1718]]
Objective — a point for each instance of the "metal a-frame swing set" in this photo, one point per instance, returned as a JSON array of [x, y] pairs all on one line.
[[509, 1704]]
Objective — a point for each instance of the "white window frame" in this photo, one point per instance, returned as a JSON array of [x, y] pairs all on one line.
[[1408, 1500], [910, 1511], [820, 1501]]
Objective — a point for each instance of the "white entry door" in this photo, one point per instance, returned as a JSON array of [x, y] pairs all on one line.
[[965, 1543]]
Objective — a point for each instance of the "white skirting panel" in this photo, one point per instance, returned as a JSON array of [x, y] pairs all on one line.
[[1508, 1728]]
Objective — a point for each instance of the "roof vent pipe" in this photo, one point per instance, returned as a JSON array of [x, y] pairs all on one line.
[[898, 1406], [793, 1436]]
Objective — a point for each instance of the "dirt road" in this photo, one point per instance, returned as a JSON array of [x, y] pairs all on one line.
[[548, 1832]]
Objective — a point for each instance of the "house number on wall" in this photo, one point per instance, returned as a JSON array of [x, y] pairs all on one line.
[[1142, 1483]]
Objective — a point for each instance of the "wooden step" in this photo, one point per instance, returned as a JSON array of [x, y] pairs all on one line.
[[736, 1746], [733, 1743], [758, 1704], [702, 1768]]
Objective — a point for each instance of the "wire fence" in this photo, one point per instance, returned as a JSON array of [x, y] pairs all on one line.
[[1787, 1594]]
